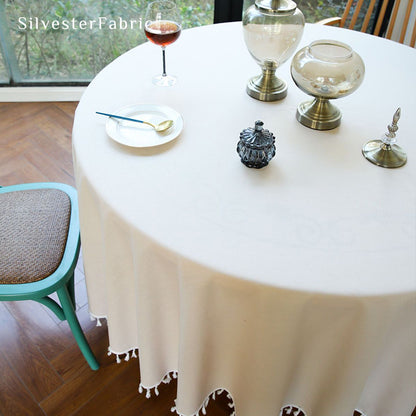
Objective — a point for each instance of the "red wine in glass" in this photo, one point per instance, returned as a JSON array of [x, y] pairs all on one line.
[[163, 27], [162, 32]]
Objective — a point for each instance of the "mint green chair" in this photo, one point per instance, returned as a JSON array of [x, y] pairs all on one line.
[[39, 248]]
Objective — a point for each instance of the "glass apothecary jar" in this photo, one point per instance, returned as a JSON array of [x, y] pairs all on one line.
[[272, 31], [326, 69]]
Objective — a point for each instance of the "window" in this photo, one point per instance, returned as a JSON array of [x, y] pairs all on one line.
[[313, 10], [4, 76], [321, 9], [69, 41]]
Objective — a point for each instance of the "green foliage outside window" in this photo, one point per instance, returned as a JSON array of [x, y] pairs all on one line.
[[320, 9], [67, 51], [3, 72], [315, 10]]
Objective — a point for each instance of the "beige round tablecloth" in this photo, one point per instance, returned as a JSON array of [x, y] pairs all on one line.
[[290, 285]]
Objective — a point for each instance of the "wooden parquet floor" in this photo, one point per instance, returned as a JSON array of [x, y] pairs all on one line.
[[42, 371]]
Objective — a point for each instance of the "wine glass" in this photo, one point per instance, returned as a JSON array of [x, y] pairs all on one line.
[[163, 27]]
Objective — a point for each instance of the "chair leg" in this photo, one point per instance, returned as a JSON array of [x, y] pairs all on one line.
[[69, 311], [71, 289], [53, 306]]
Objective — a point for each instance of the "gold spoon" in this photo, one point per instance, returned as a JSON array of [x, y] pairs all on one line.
[[161, 127]]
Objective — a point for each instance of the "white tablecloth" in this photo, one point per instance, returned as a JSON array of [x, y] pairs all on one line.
[[290, 285]]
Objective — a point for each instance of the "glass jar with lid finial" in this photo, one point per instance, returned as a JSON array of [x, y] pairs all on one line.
[[272, 31]]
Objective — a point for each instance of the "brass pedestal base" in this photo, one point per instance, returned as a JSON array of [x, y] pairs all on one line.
[[318, 114], [267, 87], [384, 155]]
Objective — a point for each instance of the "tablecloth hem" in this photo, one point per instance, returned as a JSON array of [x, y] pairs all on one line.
[[97, 318], [204, 405], [291, 409], [173, 374], [166, 379], [127, 353], [294, 410]]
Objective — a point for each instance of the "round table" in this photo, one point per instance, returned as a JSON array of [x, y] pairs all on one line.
[[292, 285]]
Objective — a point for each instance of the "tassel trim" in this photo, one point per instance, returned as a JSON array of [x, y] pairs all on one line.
[[166, 379], [127, 354], [292, 410], [130, 353], [97, 318], [202, 411], [287, 410]]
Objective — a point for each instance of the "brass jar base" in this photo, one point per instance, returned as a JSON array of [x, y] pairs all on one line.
[[384, 155], [318, 114], [267, 87]]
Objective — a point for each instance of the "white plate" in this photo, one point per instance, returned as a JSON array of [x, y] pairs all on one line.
[[134, 134]]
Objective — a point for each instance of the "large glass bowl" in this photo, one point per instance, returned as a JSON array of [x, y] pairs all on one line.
[[326, 69]]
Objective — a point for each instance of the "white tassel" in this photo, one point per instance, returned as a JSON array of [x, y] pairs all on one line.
[[229, 396], [231, 405], [140, 389], [220, 391], [289, 410], [156, 391], [148, 394], [174, 375], [173, 409], [167, 379], [133, 354], [297, 413], [109, 351], [98, 322], [118, 359], [127, 357], [204, 412]]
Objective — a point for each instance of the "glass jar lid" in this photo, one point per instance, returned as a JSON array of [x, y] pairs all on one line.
[[257, 137], [276, 6]]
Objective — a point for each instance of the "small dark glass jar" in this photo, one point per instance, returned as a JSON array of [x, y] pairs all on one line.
[[256, 146]]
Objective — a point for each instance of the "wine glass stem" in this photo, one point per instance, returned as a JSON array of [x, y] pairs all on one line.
[[164, 61]]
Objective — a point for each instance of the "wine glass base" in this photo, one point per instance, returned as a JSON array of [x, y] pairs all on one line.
[[164, 80], [386, 156], [318, 114]]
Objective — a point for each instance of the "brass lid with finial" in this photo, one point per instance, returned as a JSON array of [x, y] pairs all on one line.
[[385, 152]]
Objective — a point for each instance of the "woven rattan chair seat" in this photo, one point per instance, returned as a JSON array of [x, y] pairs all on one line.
[[33, 232]]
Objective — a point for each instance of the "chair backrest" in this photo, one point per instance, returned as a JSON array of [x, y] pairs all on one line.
[[401, 23]]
